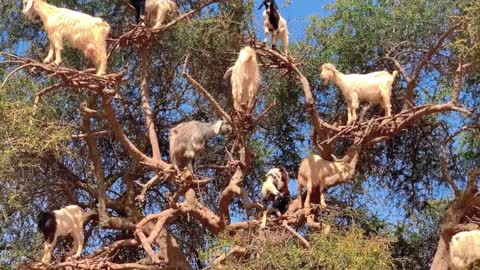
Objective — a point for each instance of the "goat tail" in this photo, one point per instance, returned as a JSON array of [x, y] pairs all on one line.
[[105, 29]]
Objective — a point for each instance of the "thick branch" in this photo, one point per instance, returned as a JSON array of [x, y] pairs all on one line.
[[147, 111], [96, 163]]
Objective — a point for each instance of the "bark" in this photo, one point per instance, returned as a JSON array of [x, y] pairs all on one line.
[[147, 111], [95, 162]]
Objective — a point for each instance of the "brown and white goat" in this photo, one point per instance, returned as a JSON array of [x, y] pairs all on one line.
[[83, 31], [375, 88], [315, 172], [275, 189]]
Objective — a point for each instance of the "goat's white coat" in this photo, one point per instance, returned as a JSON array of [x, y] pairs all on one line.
[[272, 186], [156, 11], [69, 220], [464, 249], [83, 31], [375, 88], [281, 33], [274, 180], [315, 172], [245, 79]]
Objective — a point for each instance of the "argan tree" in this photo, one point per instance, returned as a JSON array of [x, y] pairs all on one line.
[[71, 137]]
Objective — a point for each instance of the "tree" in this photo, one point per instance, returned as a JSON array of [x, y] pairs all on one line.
[[69, 141]]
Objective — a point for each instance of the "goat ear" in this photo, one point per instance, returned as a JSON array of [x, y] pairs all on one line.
[[217, 126], [27, 7]]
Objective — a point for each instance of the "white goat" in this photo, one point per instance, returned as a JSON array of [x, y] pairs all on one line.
[[245, 80], [188, 139], [157, 10], [464, 249], [315, 172], [83, 31], [275, 189], [375, 87], [68, 220], [274, 24]]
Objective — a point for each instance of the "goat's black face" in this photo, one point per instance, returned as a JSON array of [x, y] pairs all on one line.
[[48, 225], [268, 4]]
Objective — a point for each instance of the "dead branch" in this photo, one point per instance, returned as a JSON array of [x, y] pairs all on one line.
[[292, 231], [141, 35], [234, 251], [69, 78]]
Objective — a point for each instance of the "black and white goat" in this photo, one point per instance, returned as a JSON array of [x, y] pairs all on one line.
[[275, 189], [274, 24], [65, 221]]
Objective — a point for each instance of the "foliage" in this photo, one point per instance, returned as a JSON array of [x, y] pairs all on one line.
[[347, 249]]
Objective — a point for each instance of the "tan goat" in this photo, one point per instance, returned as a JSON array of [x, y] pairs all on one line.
[[315, 172]]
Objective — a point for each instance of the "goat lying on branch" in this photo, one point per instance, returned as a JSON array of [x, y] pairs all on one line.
[[375, 87], [188, 139], [68, 220], [275, 189], [314, 171], [83, 31]]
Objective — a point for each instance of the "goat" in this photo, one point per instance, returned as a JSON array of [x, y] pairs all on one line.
[[83, 31], [275, 189], [139, 6], [68, 220], [464, 249], [315, 172], [375, 87], [245, 80], [157, 10], [274, 24], [188, 139]]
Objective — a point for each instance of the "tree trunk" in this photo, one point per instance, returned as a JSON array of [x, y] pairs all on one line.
[[441, 260]]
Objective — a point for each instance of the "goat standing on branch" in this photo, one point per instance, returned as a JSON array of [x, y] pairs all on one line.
[[274, 24], [157, 10], [139, 6], [275, 189], [68, 220], [83, 31], [245, 80], [188, 139], [315, 172], [375, 87]]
